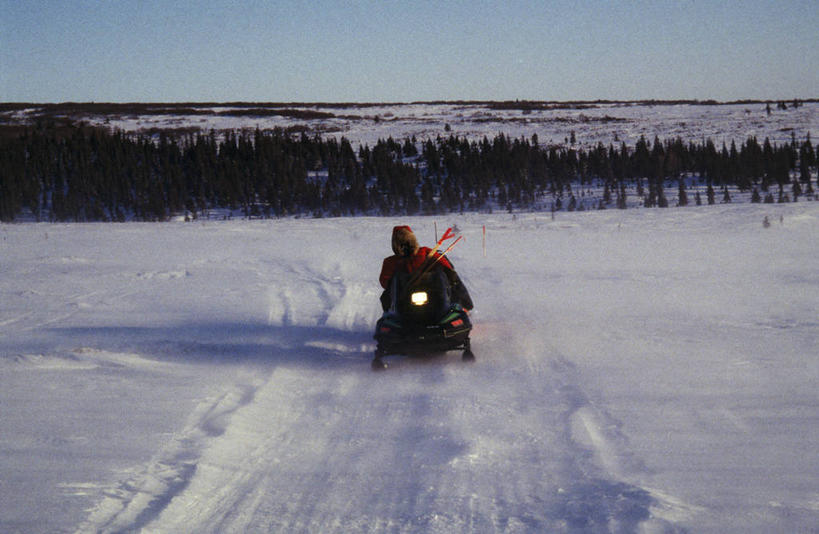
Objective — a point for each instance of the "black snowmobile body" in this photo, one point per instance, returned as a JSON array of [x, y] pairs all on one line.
[[421, 317]]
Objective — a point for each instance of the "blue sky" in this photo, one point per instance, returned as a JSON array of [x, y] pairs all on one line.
[[399, 51]]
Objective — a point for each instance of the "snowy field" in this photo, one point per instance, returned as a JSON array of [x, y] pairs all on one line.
[[592, 123], [637, 371]]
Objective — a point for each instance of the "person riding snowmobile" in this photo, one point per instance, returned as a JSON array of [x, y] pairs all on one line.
[[408, 258]]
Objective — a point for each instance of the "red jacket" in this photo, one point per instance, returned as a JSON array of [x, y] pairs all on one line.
[[395, 264]]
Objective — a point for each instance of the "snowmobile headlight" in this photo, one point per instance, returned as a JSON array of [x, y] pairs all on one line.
[[419, 298]]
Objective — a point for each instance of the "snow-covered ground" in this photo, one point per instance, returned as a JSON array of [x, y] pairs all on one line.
[[592, 123], [637, 371]]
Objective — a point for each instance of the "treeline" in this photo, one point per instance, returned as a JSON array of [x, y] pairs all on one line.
[[79, 173], [90, 174]]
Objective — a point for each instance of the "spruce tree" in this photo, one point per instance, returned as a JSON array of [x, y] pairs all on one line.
[[682, 195]]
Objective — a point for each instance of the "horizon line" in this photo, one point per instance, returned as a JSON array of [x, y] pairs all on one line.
[[325, 103]]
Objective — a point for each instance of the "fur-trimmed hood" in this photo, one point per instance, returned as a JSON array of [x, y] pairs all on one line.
[[404, 242]]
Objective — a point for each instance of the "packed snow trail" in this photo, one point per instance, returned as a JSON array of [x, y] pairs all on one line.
[[328, 446]]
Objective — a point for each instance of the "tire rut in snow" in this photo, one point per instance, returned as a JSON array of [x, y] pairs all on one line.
[[142, 497], [319, 451], [432, 448], [560, 485]]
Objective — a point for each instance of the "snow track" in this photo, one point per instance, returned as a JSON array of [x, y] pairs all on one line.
[[138, 500], [337, 449], [321, 444]]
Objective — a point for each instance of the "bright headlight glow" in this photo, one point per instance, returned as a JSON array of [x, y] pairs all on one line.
[[419, 298]]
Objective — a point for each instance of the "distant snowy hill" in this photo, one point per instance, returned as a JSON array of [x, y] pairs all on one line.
[[553, 123]]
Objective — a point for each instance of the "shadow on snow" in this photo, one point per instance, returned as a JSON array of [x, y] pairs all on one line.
[[225, 343]]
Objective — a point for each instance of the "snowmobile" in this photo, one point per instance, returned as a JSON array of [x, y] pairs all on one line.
[[422, 317]]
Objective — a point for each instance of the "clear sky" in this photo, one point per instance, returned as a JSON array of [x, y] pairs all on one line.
[[400, 51]]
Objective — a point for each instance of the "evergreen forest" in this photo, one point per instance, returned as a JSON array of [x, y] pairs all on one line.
[[83, 173]]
